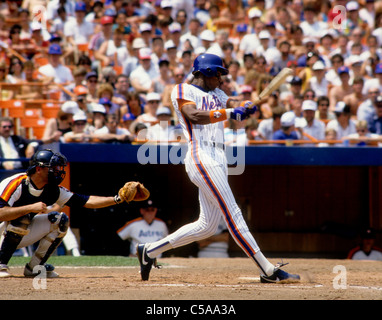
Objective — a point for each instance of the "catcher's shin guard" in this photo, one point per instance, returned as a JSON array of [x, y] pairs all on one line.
[[52, 240], [14, 233]]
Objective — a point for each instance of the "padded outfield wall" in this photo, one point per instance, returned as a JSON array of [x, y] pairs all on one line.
[[297, 200]]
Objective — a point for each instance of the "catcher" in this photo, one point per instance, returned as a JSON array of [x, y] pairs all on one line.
[[29, 204]]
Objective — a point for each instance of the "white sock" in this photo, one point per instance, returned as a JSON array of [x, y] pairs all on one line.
[[264, 265], [156, 248], [76, 252]]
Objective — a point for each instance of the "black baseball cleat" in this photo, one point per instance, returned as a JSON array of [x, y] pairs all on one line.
[[280, 276], [145, 261]]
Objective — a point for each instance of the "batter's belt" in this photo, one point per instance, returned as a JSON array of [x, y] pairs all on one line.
[[218, 145]]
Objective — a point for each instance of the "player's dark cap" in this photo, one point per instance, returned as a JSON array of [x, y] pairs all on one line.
[[368, 234], [149, 203]]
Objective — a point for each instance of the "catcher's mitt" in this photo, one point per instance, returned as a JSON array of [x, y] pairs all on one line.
[[142, 193], [132, 191]]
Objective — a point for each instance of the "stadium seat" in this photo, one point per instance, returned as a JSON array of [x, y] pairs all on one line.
[[55, 95], [50, 110], [14, 109], [32, 113], [17, 107], [35, 127]]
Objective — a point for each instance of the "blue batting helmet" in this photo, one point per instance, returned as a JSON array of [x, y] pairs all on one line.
[[209, 65]]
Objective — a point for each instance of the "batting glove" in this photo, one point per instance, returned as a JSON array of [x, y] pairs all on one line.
[[250, 106], [239, 114]]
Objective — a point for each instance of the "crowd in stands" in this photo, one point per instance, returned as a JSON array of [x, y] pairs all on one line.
[[113, 63]]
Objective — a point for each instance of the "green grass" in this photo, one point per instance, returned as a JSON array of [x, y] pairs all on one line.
[[83, 261]]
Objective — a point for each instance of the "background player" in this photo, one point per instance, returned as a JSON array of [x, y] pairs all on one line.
[[25, 200], [147, 228], [367, 249], [217, 245], [201, 108]]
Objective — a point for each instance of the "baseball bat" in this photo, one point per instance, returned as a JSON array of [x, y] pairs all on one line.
[[274, 84]]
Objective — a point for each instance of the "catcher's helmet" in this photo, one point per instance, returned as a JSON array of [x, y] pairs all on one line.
[[55, 161], [209, 65]]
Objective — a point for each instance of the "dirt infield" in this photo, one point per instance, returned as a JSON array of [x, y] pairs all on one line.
[[203, 279]]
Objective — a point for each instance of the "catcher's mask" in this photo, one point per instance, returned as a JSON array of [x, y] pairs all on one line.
[[55, 161]]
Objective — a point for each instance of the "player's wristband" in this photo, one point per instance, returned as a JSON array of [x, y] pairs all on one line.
[[219, 115], [117, 199], [246, 104]]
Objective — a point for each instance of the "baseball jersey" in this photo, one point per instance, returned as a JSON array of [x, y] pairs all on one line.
[[203, 100], [375, 254], [139, 231], [17, 191]]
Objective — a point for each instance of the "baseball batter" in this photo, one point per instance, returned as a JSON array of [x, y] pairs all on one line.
[[201, 108]]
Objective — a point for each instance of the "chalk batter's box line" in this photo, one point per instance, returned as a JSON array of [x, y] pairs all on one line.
[[216, 285], [263, 286]]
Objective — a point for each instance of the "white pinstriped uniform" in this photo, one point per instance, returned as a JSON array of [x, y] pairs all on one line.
[[206, 166], [213, 100]]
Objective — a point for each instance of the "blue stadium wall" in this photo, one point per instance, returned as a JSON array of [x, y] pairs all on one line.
[[298, 201]]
